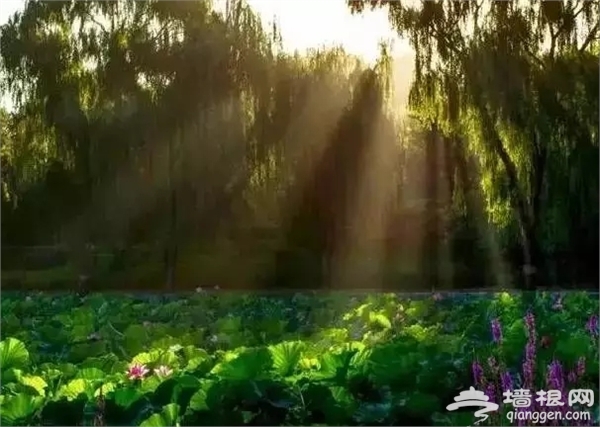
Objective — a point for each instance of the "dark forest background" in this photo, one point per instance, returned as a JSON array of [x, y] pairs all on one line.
[[163, 145]]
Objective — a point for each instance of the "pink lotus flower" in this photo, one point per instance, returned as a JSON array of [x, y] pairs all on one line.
[[136, 371], [163, 371]]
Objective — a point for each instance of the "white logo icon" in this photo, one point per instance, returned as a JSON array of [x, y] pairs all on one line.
[[475, 398]]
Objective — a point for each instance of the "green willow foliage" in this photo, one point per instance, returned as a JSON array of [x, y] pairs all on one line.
[[113, 81], [170, 122], [516, 84]]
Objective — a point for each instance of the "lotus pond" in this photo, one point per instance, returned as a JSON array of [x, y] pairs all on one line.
[[302, 359]]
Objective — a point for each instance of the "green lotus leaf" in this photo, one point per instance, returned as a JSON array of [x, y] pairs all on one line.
[[146, 358], [136, 337], [11, 375], [150, 383], [50, 371], [167, 358], [35, 382], [13, 354], [74, 388], [105, 389], [142, 358], [202, 364], [91, 374], [380, 320], [68, 370], [106, 362], [286, 356], [190, 352], [176, 390], [249, 364], [198, 401], [11, 324], [167, 417], [165, 342], [16, 410], [334, 366], [125, 397]]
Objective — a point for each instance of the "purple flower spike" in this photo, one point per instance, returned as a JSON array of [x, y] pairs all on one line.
[[592, 326], [496, 331], [528, 373], [555, 378], [530, 350], [477, 373], [506, 381], [530, 353], [490, 391], [530, 326]]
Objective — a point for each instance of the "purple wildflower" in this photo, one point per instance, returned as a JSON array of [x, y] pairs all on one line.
[[530, 350], [572, 377], [555, 376], [490, 391], [506, 381], [555, 380], [477, 373], [592, 326], [530, 326], [528, 373], [530, 353], [496, 331]]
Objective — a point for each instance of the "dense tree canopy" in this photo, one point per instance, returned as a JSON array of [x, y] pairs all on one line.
[[515, 83], [171, 127]]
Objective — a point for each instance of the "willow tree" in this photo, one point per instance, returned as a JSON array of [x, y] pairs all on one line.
[[164, 120], [516, 84]]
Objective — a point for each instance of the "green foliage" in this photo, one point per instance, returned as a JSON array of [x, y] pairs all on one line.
[[13, 354], [406, 367], [514, 86], [94, 76], [121, 103]]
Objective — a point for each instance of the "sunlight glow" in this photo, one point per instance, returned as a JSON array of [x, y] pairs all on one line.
[[304, 25], [311, 24]]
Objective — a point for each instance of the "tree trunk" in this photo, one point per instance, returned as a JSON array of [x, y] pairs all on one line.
[[475, 225], [532, 254]]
